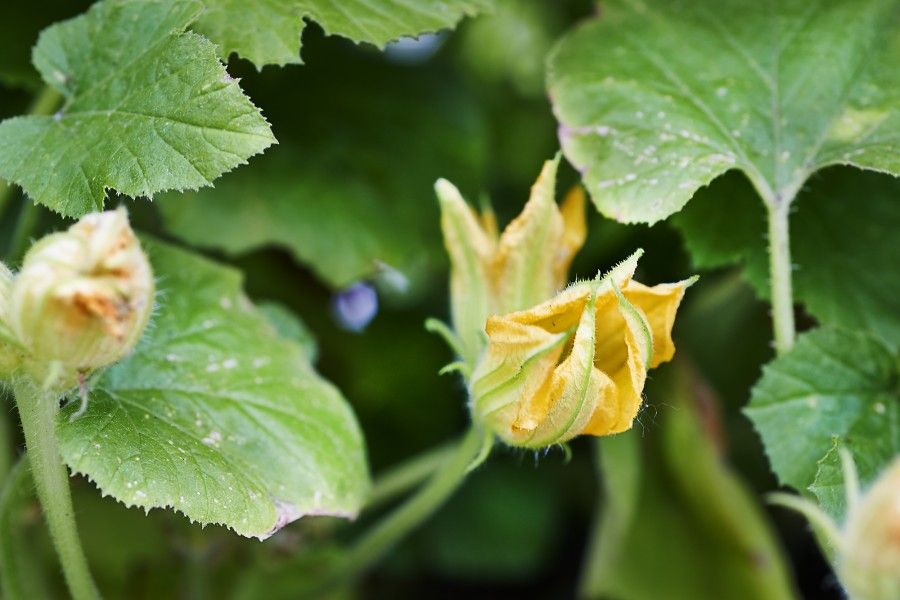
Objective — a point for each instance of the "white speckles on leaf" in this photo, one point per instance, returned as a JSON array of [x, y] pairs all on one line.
[[730, 90], [213, 439]]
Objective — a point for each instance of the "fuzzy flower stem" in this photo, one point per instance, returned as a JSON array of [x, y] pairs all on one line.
[[38, 409], [377, 541]]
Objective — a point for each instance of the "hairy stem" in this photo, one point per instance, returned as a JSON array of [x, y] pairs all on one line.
[[780, 275], [38, 409], [378, 540]]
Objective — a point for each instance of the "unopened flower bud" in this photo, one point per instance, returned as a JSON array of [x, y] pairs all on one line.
[[870, 563], [575, 364], [83, 297]]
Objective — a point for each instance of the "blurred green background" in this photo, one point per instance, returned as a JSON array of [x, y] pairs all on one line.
[[363, 135]]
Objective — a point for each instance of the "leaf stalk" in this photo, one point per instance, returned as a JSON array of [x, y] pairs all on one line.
[[780, 275]]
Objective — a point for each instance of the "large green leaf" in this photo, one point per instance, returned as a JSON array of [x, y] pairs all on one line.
[[148, 108], [842, 240], [834, 387], [216, 415], [657, 98], [346, 193], [290, 326], [268, 31]]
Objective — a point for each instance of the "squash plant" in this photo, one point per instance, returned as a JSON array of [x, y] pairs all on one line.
[[766, 134]]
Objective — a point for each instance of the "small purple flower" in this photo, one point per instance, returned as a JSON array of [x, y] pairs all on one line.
[[414, 51], [355, 307]]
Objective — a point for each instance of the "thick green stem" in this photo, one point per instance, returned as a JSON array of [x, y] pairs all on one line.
[[38, 409], [21, 237], [780, 275], [5, 194], [46, 102], [408, 475], [377, 541]]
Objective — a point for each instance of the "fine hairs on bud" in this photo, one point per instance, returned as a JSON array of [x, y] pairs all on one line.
[[82, 298]]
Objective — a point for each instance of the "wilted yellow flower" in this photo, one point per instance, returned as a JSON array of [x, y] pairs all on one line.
[[497, 274], [869, 563], [83, 297], [575, 364]]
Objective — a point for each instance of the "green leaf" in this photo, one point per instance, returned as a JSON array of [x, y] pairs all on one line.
[[844, 249], [269, 31], [347, 194], [290, 327], [834, 387], [148, 108], [674, 509], [216, 415], [873, 446], [655, 98]]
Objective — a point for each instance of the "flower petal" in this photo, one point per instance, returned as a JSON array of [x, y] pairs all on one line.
[[660, 304], [517, 364], [574, 390], [524, 268], [561, 313], [471, 249], [624, 351], [574, 233]]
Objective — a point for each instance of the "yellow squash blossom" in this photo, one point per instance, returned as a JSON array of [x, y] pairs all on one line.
[[575, 364], [496, 274], [545, 363]]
